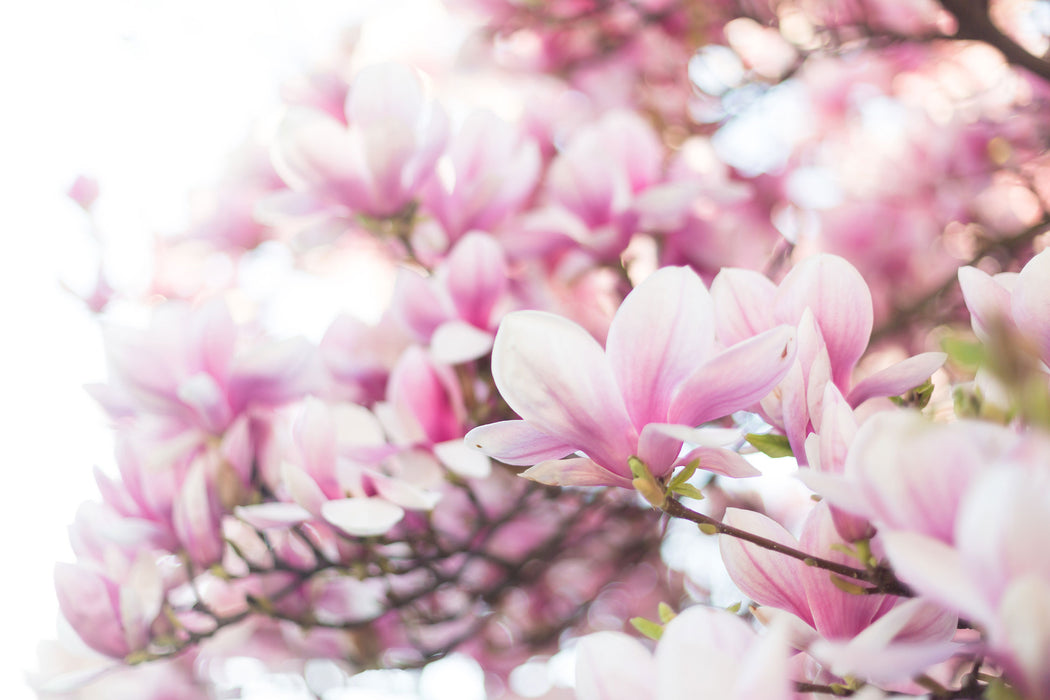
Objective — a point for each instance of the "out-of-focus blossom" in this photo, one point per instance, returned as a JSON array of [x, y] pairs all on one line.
[[702, 652], [376, 163]]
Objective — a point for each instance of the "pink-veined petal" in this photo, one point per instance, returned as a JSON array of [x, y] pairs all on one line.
[[721, 461], [840, 301], [897, 379], [554, 375], [767, 577], [744, 302], [663, 330], [516, 442], [576, 471], [734, 379], [477, 276]]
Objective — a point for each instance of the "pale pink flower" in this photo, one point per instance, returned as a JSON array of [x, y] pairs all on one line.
[[487, 174], [998, 573], [822, 610], [458, 308], [703, 652], [377, 162], [1021, 301], [659, 376], [830, 303]]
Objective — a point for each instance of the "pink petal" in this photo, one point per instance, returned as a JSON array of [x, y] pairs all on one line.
[[663, 330], [577, 471], [456, 342], [744, 300], [734, 379], [554, 374], [89, 602], [897, 379], [611, 666], [275, 514], [477, 277], [417, 306], [427, 394], [362, 517], [766, 577], [273, 374], [701, 648], [935, 570], [721, 461], [1031, 302], [460, 459], [841, 303], [516, 442], [313, 151], [986, 298]]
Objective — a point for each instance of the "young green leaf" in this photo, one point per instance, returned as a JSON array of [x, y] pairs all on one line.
[[771, 444]]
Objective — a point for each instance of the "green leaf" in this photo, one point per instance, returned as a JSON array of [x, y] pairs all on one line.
[[771, 444], [965, 353], [689, 491], [684, 475], [665, 612], [652, 630]]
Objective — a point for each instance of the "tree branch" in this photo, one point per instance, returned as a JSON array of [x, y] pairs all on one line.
[[975, 23]]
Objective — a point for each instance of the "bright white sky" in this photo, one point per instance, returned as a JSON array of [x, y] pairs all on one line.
[[149, 96]]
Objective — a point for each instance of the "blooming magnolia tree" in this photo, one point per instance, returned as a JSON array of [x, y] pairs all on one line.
[[636, 250]]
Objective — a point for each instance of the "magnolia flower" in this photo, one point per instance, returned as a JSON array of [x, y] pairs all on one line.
[[659, 376], [829, 302], [375, 164], [703, 652]]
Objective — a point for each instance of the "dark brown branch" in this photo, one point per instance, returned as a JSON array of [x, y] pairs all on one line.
[[882, 579], [975, 23]]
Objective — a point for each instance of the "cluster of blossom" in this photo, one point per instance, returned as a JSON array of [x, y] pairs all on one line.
[[604, 295]]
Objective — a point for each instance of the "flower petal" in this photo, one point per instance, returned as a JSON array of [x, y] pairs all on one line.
[[516, 442], [744, 302], [663, 330], [767, 577], [840, 301], [734, 379], [363, 517], [897, 379], [1031, 302], [721, 461], [460, 459], [577, 471], [554, 375]]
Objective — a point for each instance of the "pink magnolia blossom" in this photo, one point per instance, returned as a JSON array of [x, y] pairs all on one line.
[[904, 472], [1019, 300], [703, 652], [830, 303], [997, 574], [820, 610], [457, 309], [487, 174], [376, 164], [659, 376]]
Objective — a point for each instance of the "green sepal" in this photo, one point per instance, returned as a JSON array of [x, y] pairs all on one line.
[[770, 444], [684, 475], [689, 491], [916, 397], [999, 690], [847, 586], [652, 630]]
